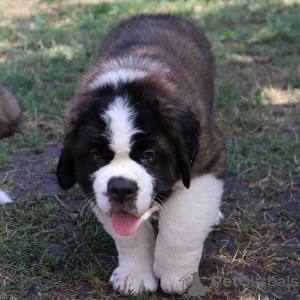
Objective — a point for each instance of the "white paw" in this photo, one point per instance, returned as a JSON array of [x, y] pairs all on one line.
[[173, 280], [173, 285], [134, 281]]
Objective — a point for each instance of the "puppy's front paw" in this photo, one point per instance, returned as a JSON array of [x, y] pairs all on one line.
[[173, 285], [134, 281], [173, 280]]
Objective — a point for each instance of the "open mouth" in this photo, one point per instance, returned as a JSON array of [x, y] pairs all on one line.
[[125, 223]]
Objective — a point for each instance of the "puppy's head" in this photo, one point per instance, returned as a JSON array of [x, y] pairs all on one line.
[[127, 146]]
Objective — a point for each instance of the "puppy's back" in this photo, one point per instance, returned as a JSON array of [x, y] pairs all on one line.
[[169, 40]]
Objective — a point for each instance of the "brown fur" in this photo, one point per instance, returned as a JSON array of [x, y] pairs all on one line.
[[10, 112]]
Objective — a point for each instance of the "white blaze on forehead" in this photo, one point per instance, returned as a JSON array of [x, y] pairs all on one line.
[[116, 76], [120, 121], [120, 118]]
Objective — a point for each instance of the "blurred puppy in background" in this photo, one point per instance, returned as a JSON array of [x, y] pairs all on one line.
[[10, 113]]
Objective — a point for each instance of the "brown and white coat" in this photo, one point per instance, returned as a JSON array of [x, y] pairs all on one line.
[[140, 138]]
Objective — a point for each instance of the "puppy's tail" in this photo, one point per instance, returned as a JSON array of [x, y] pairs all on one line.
[[4, 198], [10, 112]]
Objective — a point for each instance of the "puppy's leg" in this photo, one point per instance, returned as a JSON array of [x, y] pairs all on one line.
[[187, 220], [135, 270]]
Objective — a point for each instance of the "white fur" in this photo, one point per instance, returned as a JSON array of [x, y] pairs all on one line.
[[190, 215], [128, 69], [4, 198], [123, 166], [135, 270], [120, 120], [115, 77], [145, 64]]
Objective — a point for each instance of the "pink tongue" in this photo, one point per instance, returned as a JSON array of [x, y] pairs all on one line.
[[125, 223]]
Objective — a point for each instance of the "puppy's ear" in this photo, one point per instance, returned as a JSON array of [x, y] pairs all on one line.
[[183, 128], [66, 169], [188, 136]]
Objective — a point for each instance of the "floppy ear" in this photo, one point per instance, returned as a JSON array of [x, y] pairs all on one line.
[[188, 136], [183, 127], [66, 169]]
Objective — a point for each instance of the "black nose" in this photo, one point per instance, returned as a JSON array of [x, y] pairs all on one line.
[[121, 189]]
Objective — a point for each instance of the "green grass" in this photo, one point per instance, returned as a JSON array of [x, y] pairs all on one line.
[[50, 250], [40, 248]]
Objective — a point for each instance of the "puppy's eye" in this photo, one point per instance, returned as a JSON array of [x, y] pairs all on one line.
[[148, 156], [96, 155]]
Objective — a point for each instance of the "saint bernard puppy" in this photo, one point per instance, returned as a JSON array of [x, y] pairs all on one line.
[[140, 139]]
